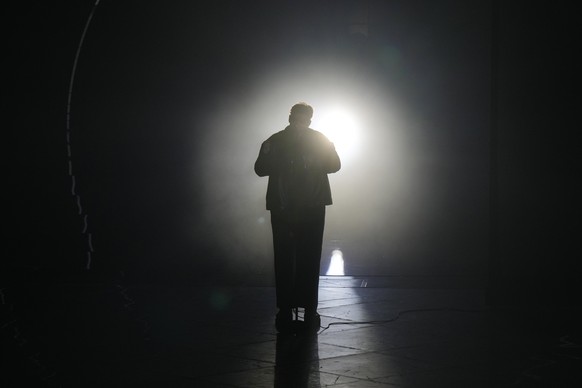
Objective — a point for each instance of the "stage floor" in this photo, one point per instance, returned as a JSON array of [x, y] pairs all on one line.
[[376, 332]]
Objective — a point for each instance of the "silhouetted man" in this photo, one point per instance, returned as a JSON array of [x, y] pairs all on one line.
[[297, 161]]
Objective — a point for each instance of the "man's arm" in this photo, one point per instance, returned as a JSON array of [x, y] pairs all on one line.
[[266, 163], [332, 163]]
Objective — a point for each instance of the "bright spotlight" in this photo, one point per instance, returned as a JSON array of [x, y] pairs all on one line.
[[341, 128]]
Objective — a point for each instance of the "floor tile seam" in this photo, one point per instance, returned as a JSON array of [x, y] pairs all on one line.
[[338, 376], [332, 317], [391, 301], [337, 298], [363, 352], [340, 346]]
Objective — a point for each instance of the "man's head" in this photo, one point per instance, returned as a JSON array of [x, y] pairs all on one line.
[[300, 115]]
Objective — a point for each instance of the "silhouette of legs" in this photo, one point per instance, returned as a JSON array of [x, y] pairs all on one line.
[[297, 242]]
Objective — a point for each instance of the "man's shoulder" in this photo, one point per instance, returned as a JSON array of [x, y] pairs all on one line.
[[285, 134], [318, 135], [314, 132], [282, 134]]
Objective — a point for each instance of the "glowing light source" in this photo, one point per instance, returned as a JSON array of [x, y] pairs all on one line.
[[336, 265], [341, 128]]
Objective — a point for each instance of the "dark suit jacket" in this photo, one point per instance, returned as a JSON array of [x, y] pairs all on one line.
[[297, 162]]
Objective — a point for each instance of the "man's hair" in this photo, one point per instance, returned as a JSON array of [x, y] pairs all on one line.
[[301, 108]]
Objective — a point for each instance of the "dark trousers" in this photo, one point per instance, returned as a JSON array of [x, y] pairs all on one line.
[[297, 242]]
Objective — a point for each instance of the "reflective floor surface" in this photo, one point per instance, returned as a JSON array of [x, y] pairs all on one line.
[[376, 332]]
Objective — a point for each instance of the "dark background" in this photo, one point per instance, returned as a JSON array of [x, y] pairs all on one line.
[[476, 176]]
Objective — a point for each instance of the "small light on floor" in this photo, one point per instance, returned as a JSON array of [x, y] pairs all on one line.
[[336, 265]]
